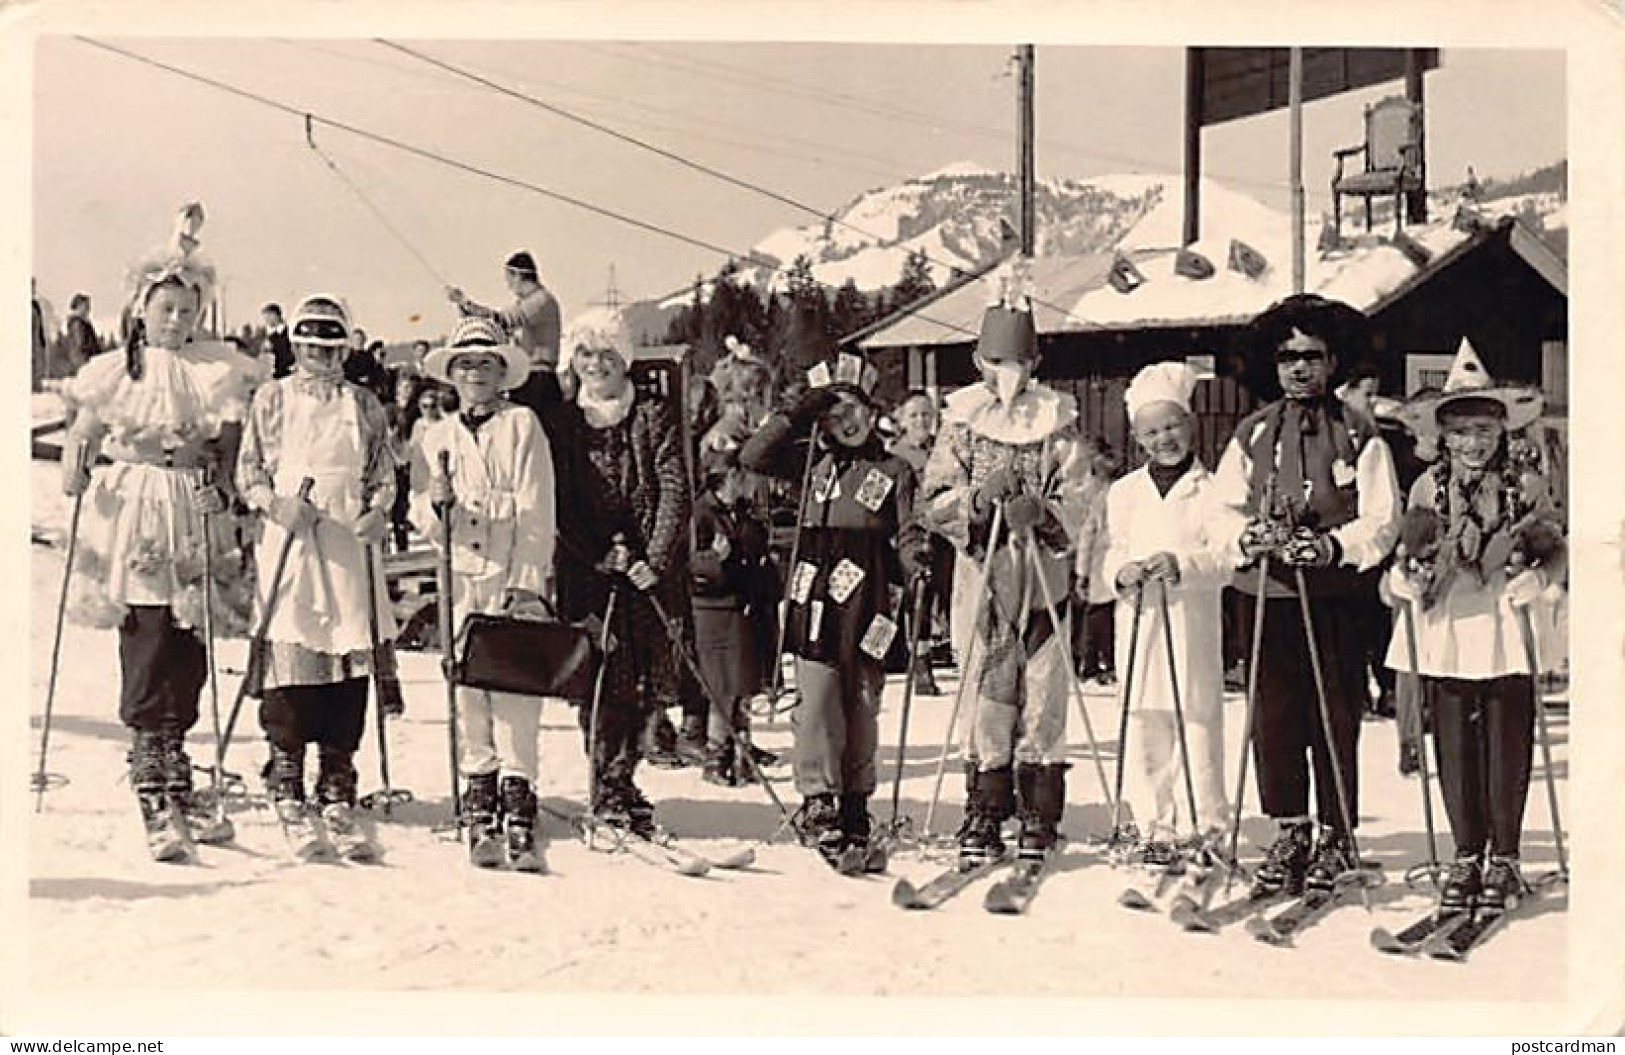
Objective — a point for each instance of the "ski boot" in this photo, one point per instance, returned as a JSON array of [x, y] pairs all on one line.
[[1503, 883], [519, 824], [1334, 857], [859, 854], [660, 742], [286, 783], [721, 765], [1463, 883], [691, 744], [819, 824], [194, 808], [925, 683], [480, 805], [1042, 791], [990, 799], [167, 837], [1285, 862], [335, 791]]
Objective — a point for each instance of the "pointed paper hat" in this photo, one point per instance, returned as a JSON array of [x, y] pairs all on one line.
[[1468, 379]]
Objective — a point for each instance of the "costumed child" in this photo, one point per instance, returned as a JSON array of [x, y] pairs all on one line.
[[623, 511], [167, 413], [503, 533], [735, 599], [857, 541], [1480, 545], [1004, 455], [1160, 543], [313, 670]]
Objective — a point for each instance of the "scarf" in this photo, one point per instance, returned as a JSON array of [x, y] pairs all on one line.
[[606, 413], [322, 386]]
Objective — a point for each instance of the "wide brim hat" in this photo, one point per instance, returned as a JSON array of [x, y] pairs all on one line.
[[475, 334], [1346, 331], [1469, 380]]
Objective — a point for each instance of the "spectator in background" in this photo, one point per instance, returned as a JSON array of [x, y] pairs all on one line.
[[80, 343], [1360, 394], [361, 366], [1093, 634], [40, 347], [916, 420], [532, 322], [276, 346]]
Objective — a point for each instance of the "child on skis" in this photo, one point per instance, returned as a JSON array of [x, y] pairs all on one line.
[[735, 594], [1162, 558], [857, 539], [1004, 457], [167, 413], [313, 671], [1481, 544], [502, 536]]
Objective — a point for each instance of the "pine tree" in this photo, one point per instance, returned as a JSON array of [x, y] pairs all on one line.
[[916, 280], [849, 311]]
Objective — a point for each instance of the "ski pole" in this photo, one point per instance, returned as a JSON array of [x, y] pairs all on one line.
[[386, 691], [1339, 781], [776, 689], [41, 779], [1249, 716], [1065, 638], [448, 661], [1179, 710], [1128, 698], [681, 648], [921, 597], [597, 704], [1527, 630], [968, 672], [1433, 868], [219, 769], [256, 644]]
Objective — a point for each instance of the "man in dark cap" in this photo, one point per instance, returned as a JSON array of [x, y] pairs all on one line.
[[277, 345], [1308, 486], [532, 322]]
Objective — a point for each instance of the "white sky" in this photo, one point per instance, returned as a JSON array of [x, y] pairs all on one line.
[[118, 146]]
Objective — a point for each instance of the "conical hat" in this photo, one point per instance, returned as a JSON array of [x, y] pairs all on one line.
[[1469, 379]]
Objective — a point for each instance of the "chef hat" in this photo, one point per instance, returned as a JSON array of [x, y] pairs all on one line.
[[1166, 382]]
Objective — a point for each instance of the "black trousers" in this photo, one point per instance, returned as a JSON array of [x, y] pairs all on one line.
[[1484, 740], [163, 667], [1287, 736], [331, 716]]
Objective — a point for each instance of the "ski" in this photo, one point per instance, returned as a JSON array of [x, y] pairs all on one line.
[[207, 826], [303, 832], [168, 839], [942, 886], [868, 859], [1189, 914], [1135, 899], [1315, 905], [1432, 926], [349, 834], [486, 848], [1011, 895], [1484, 925]]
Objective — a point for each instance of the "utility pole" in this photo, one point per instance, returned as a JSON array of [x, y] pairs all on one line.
[[1024, 147], [1295, 108], [612, 293]]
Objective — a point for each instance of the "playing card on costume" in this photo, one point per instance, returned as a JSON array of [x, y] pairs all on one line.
[[874, 489], [801, 583], [877, 639], [849, 369], [843, 580], [818, 376], [827, 485]]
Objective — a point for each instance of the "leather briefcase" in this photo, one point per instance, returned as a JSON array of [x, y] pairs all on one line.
[[525, 655]]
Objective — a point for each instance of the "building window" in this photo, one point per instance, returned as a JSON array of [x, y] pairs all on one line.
[[1426, 370], [1554, 374]]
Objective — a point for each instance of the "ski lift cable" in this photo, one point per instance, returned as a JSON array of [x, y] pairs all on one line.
[[669, 155], [463, 166], [371, 206]]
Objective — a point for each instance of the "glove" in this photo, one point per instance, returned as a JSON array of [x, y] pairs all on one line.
[[1163, 567], [998, 485], [370, 527], [642, 576], [1130, 577], [1023, 513], [1524, 588], [1403, 587], [209, 501], [721, 546], [74, 479], [1260, 538], [617, 559], [813, 404], [1311, 549], [294, 514]]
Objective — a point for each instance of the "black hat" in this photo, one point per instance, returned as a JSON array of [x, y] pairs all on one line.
[[1346, 331], [523, 263]]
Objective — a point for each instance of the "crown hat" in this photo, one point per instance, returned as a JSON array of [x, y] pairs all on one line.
[[177, 258], [477, 334], [1008, 331], [1469, 380], [851, 373]]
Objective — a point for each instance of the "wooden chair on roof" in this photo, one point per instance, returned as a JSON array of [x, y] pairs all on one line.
[[1393, 159]]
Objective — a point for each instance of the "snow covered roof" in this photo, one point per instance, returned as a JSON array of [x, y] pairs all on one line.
[[1368, 272]]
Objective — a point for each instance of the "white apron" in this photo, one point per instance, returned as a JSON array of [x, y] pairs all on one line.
[[322, 611]]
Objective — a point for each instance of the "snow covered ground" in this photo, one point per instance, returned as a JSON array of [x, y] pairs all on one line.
[[102, 917]]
